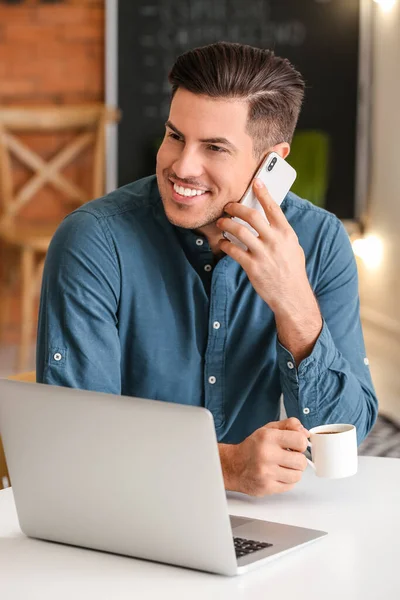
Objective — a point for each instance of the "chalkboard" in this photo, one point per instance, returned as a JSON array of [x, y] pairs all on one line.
[[320, 37]]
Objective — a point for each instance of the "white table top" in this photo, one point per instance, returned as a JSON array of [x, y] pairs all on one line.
[[359, 559]]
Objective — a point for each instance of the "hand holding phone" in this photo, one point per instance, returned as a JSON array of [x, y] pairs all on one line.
[[278, 176]]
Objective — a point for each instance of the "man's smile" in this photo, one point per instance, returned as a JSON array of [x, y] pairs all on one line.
[[186, 194]]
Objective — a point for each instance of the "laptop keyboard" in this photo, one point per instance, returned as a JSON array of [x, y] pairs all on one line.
[[244, 547]]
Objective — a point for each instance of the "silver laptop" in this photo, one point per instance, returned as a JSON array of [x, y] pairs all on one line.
[[130, 476]]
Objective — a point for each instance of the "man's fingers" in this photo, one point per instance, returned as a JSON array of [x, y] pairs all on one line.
[[249, 215], [293, 440], [292, 460], [281, 488], [241, 232], [291, 424], [277, 487], [289, 476], [238, 254], [272, 210]]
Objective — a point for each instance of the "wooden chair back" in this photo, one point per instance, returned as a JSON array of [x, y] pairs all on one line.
[[88, 124]]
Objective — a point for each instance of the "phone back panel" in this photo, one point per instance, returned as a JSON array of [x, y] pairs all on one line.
[[278, 180]]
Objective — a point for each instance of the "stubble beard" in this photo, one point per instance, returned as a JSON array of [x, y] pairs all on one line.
[[209, 219]]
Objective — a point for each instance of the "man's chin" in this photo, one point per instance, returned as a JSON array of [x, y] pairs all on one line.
[[184, 221], [182, 218]]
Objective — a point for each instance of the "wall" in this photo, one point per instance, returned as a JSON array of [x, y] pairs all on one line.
[[380, 286], [50, 54]]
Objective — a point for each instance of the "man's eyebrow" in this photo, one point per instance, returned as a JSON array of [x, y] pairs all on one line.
[[215, 140], [171, 126], [220, 140]]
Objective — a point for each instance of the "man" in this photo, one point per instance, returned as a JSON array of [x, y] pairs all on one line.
[[143, 296]]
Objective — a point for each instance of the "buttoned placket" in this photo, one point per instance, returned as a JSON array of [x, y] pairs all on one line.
[[213, 277], [204, 259], [214, 376]]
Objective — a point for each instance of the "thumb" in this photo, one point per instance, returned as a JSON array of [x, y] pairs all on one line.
[[291, 424]]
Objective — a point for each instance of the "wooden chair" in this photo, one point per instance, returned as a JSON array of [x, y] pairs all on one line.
[[4, 475], [87, 123]]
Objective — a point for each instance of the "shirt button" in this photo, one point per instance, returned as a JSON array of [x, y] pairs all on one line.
[[57, 356], [216, 324], [199, 242], [208, 268], [366, 361], [212, 379], [290, 365], [306, 411]]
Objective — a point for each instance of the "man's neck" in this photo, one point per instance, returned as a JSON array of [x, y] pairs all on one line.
[[213, 236]]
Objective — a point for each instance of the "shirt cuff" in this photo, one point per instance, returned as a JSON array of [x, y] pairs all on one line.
[[322, 355]]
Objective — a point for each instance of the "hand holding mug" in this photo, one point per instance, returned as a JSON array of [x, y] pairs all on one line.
[[269, 461]]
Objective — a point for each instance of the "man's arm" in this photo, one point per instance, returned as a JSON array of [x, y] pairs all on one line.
[[333, 383], [78, 344], [299, 325]]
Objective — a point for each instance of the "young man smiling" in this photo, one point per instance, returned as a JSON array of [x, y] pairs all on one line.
[[143, 296]]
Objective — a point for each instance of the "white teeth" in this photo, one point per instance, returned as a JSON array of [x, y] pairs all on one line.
[[187, 191]]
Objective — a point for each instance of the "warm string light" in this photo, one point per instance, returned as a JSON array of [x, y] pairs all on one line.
[[370, 250]]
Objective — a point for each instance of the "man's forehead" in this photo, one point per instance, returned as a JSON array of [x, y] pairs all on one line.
[[206, 117], [184, 101]]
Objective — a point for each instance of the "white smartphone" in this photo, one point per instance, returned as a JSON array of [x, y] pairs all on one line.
[[278, 176]]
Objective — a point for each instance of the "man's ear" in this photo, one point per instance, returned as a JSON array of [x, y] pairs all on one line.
[[283, 149]]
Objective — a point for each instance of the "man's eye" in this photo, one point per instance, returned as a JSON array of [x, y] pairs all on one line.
[[175, 136], [216, 148]]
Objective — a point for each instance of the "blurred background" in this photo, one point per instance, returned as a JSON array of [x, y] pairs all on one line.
[[83, 101]]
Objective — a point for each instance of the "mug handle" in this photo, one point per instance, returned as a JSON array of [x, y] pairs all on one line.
[[310, 462]]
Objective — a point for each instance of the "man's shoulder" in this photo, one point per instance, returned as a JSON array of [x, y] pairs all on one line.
[[132, 198], [303, 214], [299, 206]]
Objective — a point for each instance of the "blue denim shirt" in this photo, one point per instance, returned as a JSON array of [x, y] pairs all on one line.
[[134, 305]]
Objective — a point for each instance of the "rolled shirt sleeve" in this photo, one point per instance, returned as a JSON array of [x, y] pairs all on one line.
[[78, 343], [333, 384]]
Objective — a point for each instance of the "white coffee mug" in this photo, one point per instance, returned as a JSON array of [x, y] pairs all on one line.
[[334, 450]]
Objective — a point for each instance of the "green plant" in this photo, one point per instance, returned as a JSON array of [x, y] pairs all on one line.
[[309, 155]]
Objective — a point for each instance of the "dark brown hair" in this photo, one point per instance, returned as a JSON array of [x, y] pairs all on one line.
[[271, 85]]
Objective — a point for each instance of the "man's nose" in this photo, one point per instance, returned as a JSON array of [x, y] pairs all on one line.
[[188, 165]]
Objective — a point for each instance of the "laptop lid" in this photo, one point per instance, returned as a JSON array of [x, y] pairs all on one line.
[[125, 475]]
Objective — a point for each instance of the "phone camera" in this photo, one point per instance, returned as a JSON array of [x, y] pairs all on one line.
[[272, 164]]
